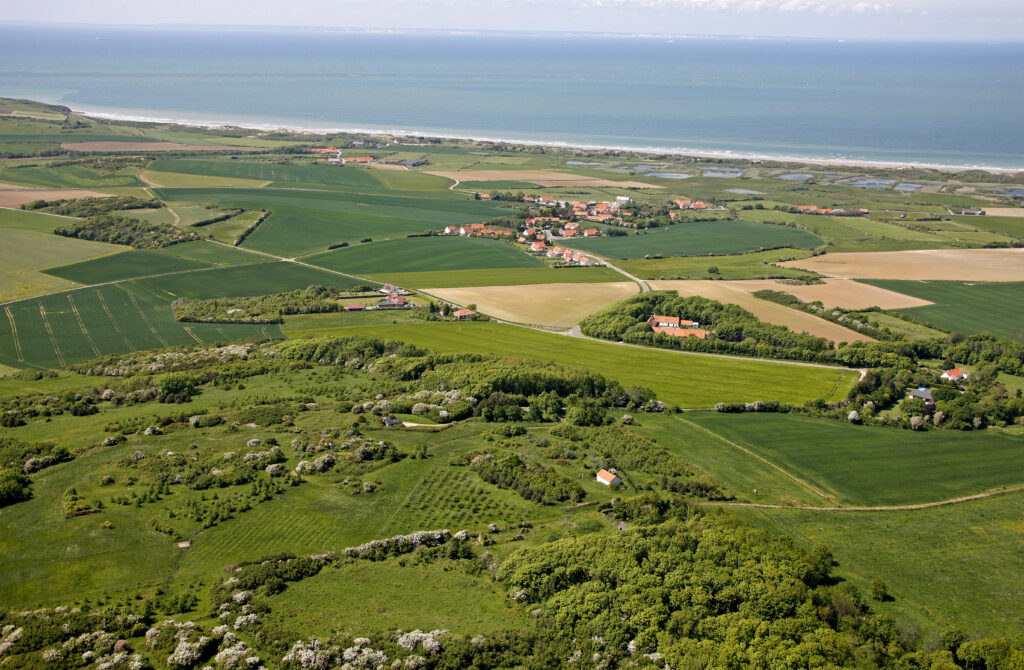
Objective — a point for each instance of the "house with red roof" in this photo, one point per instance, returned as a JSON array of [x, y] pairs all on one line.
[[954, 375], [450, 230], [682, 332], [659, 321], [393, 300], [608, 478], [471, 228], [590, 232], [355, 307], [538, 247], [463, 314]]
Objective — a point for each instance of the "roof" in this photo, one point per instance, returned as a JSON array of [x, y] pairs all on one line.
[[955, 373], [463, 312], [924, 394], [671, 320], [355, 307], [606, 476]]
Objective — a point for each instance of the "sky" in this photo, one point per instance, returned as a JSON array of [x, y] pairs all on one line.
[[984, 20]]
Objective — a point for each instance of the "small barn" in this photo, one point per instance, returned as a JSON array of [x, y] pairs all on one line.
[[608, 478]]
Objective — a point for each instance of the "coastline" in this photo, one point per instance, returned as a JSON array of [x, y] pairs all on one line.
[[681, 152]]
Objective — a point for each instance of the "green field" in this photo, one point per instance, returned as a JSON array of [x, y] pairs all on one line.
[[913, 331], [304, 221], [862, 465], [699, 239], [125, 265], [426, 254], [71, 176], [755, 265], [967, 307], [686, 380], [242, 280], [24, 255], [65, 328], [946, 567], [853, 233], [333, 175]]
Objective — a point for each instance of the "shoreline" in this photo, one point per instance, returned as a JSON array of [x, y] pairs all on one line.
[[682, 152]]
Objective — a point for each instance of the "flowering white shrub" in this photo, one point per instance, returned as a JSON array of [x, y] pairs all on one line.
[[427, 641], [275, 469], [461, 535], [241, 597], [253, 443], [153, 430], [245, 621], [186, 654], [312, 655], [52, 655], [399, 544], [323, 463]]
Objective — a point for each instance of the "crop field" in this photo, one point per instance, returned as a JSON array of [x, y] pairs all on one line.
[[539, 177], [423, 254], [71, 176], [684, 379], [698, 239], [738, 293], [10, 197], [64, 328], [125, 265], [555, 305], [265, 171], [121, 145], [968, 307], [864, 465], [303, 222], [753, 265], [25, 254], [965, 566], [253, 279], [952, 264], [845, 293], [844, 233], [497, 277]]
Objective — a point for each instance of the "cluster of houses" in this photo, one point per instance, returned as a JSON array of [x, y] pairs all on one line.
[[394, 298], [338, 159], [814, 209], [690, 204], [676, 327], [477, 230], [952, 375], [566, 256]]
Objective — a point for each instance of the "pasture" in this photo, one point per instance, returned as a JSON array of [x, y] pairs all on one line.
[[968, 307], [981, 265], [179, 180], [688, 380], [739, 293], [538, 177], [497, 277], [853, 233], [947, 567], [125, 265], [554, 305], [861, 465], [266, 171], [305, 222], [702, 238], [425, 254], [71, 176]]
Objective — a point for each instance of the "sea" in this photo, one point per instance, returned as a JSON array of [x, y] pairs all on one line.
[[941, 104]]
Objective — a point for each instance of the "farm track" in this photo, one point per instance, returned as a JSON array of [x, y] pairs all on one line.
[[882, 508], [49, 331], [803, 483], [14, 334], [145, 319], [81, 325]]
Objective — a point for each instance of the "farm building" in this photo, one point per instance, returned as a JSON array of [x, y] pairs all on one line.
[[608, 478], [954, 375], [463, 314], [538, 247], [391, 421], [393, 300], [659, 321], [590, 232], [355, 307], [923, 394], [471, 228], [450, 230]]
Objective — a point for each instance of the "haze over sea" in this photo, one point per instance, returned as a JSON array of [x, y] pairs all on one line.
[[951, 104]]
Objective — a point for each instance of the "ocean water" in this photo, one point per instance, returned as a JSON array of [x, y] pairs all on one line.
[[942, 104]]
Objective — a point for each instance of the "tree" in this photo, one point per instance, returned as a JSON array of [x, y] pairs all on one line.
[[14, 487], [879, 591]]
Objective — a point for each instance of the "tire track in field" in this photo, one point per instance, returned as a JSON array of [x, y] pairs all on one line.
[[803, 483], [14, 334], [53, 340], [880, 508], [78, 317], [145, 319], [193, 335], [113, 321]]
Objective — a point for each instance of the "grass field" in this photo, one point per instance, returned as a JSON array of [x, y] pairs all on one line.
[[557, 305], [24, 255], [947, 567], [252, 279], [845, 233], [57, 330], [425, 254], [177, 180], [863, 465], [913, 331], [969, 307], [754, 265], [699, 239], [265, 171], [71, 176], [686, 380], [307, 221]]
